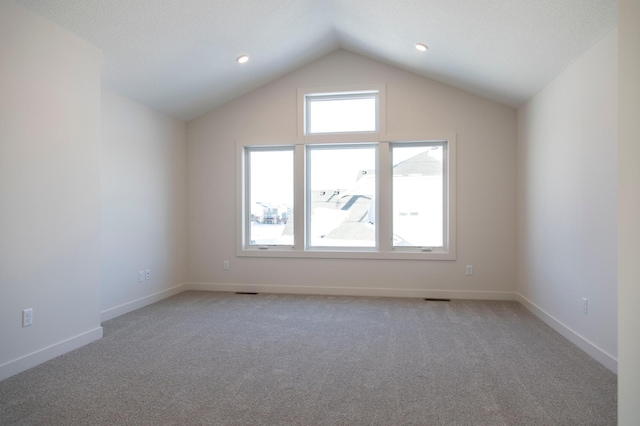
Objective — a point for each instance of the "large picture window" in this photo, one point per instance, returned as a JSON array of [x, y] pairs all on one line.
[[347, 190], [341, 195]]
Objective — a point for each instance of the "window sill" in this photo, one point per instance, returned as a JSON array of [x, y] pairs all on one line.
[[399, 254]]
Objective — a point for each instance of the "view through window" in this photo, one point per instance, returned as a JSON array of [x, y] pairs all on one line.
[[270, 196], [342, 188], [418, 195]]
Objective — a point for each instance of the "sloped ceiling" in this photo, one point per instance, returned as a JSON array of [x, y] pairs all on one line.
[[178, 56]]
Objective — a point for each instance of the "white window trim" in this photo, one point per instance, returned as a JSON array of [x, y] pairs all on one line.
[[246, 199], [307, 212], [350, 136], [448, 144], [383, 215], [243, 248]]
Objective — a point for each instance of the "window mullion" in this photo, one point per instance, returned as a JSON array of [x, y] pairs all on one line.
[[247, 198], [299, 207], [383, 212]]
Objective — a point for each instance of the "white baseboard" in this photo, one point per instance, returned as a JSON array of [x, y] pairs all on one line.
[[28, 361], [590, 348], [355, 291], [125, 308], [38, 357]]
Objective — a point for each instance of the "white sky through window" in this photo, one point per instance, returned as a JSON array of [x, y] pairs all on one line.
[[338, 168], [342, 115], [272, 176]]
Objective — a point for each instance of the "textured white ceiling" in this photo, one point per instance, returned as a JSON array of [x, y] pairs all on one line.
[[178, 57]]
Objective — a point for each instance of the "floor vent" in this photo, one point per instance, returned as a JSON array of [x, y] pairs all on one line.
[[437, 300], [244, 292]]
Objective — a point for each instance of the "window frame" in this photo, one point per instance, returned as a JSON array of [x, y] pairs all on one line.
[[338, 96], [308, 210], [247, 201], [385, 249], [446, 219], [338, 91]]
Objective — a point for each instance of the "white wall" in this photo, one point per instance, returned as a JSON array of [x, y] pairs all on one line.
[[567, 201], [629, 214], [486, 190], [49, 190], [143, 205]]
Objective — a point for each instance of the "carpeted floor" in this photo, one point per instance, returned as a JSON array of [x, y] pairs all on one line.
[[227, 359]]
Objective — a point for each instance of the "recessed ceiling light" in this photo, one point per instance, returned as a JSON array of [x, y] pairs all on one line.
[[421, 47], [242, 59]]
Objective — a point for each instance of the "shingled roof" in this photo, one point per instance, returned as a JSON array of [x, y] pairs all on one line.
[[420, 164]]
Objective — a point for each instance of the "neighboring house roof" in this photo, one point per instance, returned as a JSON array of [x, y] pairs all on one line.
[[354, 208], [357, 201], [421, 164]]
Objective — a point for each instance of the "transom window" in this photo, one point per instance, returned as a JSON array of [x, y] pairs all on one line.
[[345, 189], [341, 112]]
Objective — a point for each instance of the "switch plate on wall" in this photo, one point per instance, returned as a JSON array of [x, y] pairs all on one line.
[[469, 270], [148, 274], [140, 276]]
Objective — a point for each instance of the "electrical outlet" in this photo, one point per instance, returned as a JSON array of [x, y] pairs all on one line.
[[469, 270], [140, 276], [148, 274], [585, 306], [225, 265], [27, 317]]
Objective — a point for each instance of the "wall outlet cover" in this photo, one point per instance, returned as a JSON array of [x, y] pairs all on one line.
[[27, 317]]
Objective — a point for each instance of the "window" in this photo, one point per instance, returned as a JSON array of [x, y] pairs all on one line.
[[346, 188], [341, 192], [418, 194], [341, 112], [269, 202]]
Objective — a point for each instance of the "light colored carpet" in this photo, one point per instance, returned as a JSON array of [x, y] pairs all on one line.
[[227, 359]]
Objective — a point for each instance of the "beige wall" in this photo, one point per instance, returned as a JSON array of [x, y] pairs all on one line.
[[486, 190], [629, 214], [143, 205], [567, 209], [49, 190]]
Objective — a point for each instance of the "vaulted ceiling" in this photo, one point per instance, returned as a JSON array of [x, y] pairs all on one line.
[[179, 56]]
